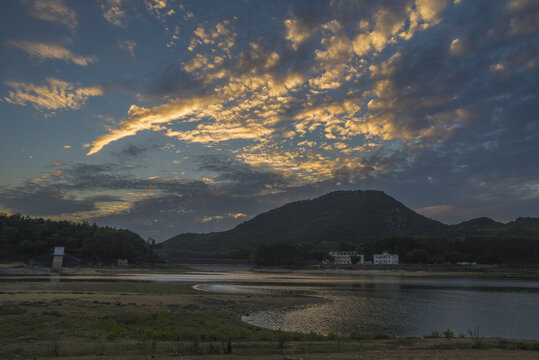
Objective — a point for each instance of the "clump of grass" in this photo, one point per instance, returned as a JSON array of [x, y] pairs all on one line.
[[11, 310], [281, 341], [196, 349], [450, 346], [381, 335], [433, 335], [369, 336], [55, 349], [212, 349], [228, 349], [477, 340], [511, 345], [52, 313]]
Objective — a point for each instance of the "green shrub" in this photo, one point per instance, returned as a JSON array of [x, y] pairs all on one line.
[[448, 334], [381, 335]]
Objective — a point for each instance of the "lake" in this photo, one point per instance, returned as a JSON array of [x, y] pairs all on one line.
[[402, 306], [397, 305]]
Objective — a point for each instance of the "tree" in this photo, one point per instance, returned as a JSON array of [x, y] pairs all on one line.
[[355, 259], [492, 258], [278, 253], [418, 256], [22, 238]]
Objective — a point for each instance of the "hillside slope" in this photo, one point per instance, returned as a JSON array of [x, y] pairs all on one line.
[[341, 216]]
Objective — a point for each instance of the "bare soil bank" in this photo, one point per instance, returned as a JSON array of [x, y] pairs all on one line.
[[517, 271], [475, 270]]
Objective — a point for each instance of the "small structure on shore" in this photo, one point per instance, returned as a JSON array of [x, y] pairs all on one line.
[[58, 258], [385, 258], [345, 257], [122, 262]]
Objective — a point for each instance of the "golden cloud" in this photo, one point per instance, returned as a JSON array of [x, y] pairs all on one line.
[[430, 10], [44, 51], [338, 46], [457, 47], [42, 178], [53, 11], [55, 94], [221, 36], [140, 118], [305, 163], [113, 12], [156, 4], [437, 210], [219, 132], [330, 116], [296, 32], [128, 45], [390, 25]]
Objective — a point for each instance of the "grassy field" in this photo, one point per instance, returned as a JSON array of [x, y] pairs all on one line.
[[143, 320]]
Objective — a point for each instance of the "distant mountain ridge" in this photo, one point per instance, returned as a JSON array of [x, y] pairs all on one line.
[[341, 216]]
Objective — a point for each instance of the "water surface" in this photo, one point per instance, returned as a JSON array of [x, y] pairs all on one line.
[[401, 306]]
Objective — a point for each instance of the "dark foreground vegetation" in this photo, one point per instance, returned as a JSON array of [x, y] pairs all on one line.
[[139, 320], [23, 238]]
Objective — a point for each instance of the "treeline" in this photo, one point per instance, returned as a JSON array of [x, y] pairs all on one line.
[[285, 253], [411, 250], [436, 250], [22, 238]]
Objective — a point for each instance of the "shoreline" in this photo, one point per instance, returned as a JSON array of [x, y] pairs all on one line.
[[506, 271], [405, 273]]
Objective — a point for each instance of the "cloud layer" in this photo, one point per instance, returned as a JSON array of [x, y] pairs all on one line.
[[228, 111]]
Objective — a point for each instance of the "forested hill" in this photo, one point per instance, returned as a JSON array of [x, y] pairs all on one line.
[[340, 216], [22, 238], [368, 221]]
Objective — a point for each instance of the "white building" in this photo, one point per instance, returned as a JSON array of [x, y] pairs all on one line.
[[386, 258], [58, 257], [345, 257]]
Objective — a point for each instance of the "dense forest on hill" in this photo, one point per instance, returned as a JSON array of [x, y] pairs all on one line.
[[341, 216], [22, 238], [368, 221]]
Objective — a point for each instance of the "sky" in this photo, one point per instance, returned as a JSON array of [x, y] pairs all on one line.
[[168, 116]]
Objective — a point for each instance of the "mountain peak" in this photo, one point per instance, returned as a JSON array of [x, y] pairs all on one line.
[[481, 221], [353, 216]]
